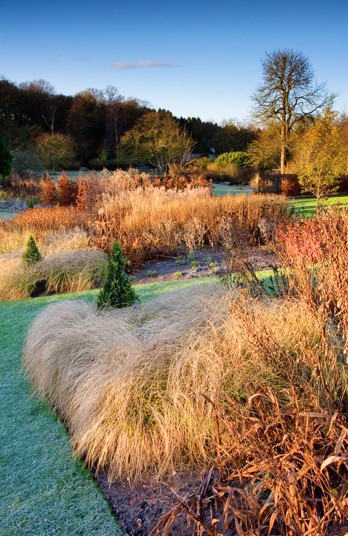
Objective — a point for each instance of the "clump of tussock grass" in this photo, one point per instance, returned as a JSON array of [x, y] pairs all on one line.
[[138, 387], [106, 373], [70, 271], [15, 277]]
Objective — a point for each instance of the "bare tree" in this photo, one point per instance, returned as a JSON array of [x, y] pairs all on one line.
[[289, 94]]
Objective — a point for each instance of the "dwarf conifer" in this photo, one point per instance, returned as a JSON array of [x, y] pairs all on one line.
[[117, 290], [31, 254]]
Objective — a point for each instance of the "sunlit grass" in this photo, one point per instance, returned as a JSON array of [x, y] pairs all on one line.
[[306, 206]]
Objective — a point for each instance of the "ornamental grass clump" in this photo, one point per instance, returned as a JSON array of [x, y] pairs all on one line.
[[117, 290], [69, 271], [63, 271]]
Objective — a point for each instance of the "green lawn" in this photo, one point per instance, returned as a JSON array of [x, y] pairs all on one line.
[[305, 207], [43, 490]]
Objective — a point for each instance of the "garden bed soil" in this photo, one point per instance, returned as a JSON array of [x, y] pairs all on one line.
[[200, 263], [140, 507]]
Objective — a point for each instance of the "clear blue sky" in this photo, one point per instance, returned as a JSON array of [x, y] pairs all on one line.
[[194, 58]]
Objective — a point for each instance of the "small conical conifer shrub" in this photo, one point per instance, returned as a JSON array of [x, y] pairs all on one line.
[[117, 290], [31, 254]]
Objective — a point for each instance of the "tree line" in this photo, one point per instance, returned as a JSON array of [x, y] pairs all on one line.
[[87, 129], [294, 129]]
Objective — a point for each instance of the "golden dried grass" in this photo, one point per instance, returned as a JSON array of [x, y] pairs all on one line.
[[71, 271], [138, 388], [152, 220], [64, 271], [41, 220]]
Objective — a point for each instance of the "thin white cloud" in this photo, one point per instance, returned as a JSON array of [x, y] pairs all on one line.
[[144, 64]]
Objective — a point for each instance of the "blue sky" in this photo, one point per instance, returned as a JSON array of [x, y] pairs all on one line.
[[194, 58]]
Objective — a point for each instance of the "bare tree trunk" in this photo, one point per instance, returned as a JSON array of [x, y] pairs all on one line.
[[282, 157], [283, 138]]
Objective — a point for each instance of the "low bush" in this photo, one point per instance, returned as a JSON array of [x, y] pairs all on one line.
[[289, 186], [239, 158]]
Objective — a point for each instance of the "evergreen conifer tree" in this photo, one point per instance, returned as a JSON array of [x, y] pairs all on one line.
[[5, 159], [117, 290], [31, 254]]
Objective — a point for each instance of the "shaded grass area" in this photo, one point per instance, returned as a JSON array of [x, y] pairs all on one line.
[[43, 491], [4, 215], [226, 189]]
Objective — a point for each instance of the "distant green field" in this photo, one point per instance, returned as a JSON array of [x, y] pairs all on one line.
[[305, 207]]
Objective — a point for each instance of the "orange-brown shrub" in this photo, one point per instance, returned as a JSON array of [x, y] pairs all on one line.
[[67, 191], [64, 191], [48, 192], [290, 186], [301, 241], [89, 190]]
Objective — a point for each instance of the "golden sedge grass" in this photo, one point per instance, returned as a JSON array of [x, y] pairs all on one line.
[[140, 388], [71, 271], [64, 271]]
